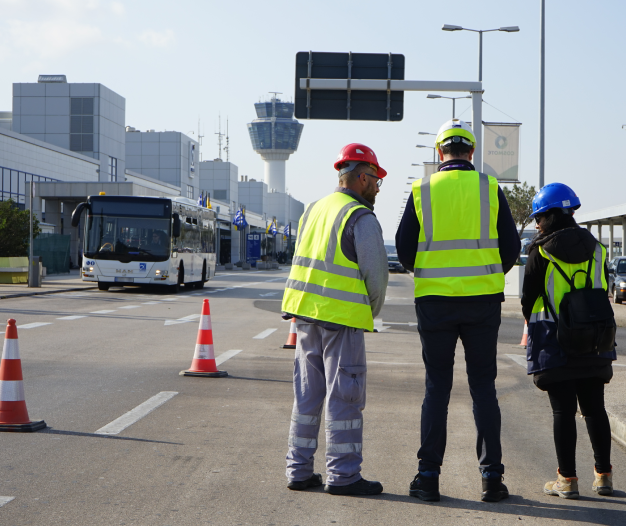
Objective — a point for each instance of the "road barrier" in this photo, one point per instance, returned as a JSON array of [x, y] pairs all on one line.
[[13, 412], [203, 363]]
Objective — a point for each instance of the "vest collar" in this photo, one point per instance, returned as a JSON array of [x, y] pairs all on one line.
[[456, 164], [355, 196]]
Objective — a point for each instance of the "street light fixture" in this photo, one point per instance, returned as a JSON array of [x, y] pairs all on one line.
[[453, 99], [507, 29], [431, 147]]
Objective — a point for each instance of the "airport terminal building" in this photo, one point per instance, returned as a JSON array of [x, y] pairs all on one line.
[[71, 140]]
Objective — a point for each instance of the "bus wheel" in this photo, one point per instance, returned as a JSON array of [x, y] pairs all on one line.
[[181, 279], [103, 286], [200, 284]]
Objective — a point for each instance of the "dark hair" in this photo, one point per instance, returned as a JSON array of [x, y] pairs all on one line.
[[551, 221], [456, 149]]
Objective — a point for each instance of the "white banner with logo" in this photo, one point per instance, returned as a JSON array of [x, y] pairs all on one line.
[[501, 150]]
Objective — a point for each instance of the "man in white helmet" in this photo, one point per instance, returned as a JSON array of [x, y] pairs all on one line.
[[458, 235]]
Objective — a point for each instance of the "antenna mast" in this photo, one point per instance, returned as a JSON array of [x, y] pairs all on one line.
[[200, 137], [219, 139], [227, 148]]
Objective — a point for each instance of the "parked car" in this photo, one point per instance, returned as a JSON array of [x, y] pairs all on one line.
[[394, 263], [617, 279]]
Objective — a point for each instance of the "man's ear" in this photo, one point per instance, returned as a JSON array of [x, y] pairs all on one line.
[[471, 153]]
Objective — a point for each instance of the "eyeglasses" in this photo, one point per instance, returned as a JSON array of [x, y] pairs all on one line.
[[379, 183]]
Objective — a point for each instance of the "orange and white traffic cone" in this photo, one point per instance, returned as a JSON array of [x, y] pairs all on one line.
[[524, 341], [293, 335], [13, 412], [203, 363]]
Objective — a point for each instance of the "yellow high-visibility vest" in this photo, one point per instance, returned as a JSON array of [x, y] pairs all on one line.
[[457, 251], [323, 284], [556, 287]]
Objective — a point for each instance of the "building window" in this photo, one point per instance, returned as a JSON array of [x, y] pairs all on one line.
[[220, 195], [81, 124], [113, 169], [190, 191]]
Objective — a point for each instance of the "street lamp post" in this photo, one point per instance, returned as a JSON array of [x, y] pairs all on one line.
[[453, 99], [431, 147], [507, 29]]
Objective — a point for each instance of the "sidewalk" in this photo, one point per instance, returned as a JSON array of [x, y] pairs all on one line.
[[49, 285]]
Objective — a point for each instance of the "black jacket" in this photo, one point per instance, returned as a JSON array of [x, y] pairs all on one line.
[[572, 245], [508, 238]]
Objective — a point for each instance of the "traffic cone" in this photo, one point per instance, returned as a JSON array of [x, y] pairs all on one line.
[[293, 335], [203, 363], [13, 412], [524, 341]]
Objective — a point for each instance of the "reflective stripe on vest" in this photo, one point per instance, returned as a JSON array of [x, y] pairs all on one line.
[[323, 284], [469, 265]]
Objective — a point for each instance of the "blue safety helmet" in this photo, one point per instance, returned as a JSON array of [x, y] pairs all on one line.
[[555, 195]]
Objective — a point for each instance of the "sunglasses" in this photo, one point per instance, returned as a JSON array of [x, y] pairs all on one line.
[[379, 183]]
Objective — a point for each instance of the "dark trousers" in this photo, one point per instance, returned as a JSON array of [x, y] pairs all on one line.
[[440, 324], [564, 398]]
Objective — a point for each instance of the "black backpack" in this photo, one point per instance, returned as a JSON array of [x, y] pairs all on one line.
[[586, 323]]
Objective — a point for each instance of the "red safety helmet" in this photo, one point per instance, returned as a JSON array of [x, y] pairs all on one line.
[[357, 152]]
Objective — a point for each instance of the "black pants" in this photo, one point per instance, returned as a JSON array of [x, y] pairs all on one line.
[[589, 392], [440, 325]]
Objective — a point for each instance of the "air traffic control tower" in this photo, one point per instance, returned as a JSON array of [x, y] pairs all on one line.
[[275, 135]]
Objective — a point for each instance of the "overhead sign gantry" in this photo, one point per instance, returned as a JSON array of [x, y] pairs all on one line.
[[367, 86]]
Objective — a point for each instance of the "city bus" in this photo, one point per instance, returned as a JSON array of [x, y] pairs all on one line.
[[131, 241]]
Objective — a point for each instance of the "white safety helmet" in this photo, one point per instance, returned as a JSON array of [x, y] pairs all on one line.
[[455, 130]]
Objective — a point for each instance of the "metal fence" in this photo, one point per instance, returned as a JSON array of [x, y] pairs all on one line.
[[54, 250]]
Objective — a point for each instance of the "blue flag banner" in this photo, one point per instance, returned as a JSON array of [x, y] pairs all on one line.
[[240, 219]]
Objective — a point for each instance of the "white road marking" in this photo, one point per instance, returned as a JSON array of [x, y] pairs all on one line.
[[168, 299], [130, 307], [275, 279], [102, 312], [71, 317], [519, 359], [186, 319], [268, 294], [151, 303], [226, 356], [395, 363], [378, 325], [264, 334], [191, 317], [409, 323], [33, 325], [134, 415], [5, 500]]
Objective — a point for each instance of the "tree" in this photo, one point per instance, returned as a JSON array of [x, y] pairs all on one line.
[[15, 230], [520, 200]]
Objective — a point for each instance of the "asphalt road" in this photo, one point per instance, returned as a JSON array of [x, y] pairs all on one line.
[[213, 451]]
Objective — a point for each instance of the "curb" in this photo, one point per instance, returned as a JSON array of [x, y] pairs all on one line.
[[618, 429], [46, 292]]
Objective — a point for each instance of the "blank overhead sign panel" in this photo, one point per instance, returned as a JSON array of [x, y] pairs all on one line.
[[346, 103]]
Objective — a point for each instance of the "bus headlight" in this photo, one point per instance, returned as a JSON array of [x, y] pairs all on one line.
[[622, 284], [158, 272], [90, 269]]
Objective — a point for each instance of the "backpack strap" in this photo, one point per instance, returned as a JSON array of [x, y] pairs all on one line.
[[571, 281]]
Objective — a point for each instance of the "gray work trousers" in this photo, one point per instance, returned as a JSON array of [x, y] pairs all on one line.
[[329, 365]]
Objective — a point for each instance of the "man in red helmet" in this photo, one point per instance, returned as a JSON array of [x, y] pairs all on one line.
[[336, 287]]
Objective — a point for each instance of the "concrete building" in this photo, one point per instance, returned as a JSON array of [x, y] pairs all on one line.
[[168, 156], [275, 135]]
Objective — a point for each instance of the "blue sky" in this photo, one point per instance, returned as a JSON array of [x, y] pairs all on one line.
[[178, 62]]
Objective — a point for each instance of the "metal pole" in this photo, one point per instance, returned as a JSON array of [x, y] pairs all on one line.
[[453, 101], [542, 95], [31, 275], [480, 56], [477, 121]]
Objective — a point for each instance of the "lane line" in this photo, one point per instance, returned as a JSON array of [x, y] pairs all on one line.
[[395, 363], [102, 312], [134, 415], [378, 325], [168, 299], [264, 334], [33, 325], [409, 323], [5, 500], [275, 279], [130, 307], [518, 359], [226, 356], [151, 303], [71, 317]]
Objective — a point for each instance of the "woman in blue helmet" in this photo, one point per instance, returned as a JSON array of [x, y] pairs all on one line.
[[569, 380]]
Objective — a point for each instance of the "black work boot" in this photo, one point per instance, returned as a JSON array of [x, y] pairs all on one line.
[[360, 487], [493, 489], [425, 488], [314, 481]]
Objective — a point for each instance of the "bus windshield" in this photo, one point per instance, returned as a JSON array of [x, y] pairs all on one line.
[[121, 230]]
